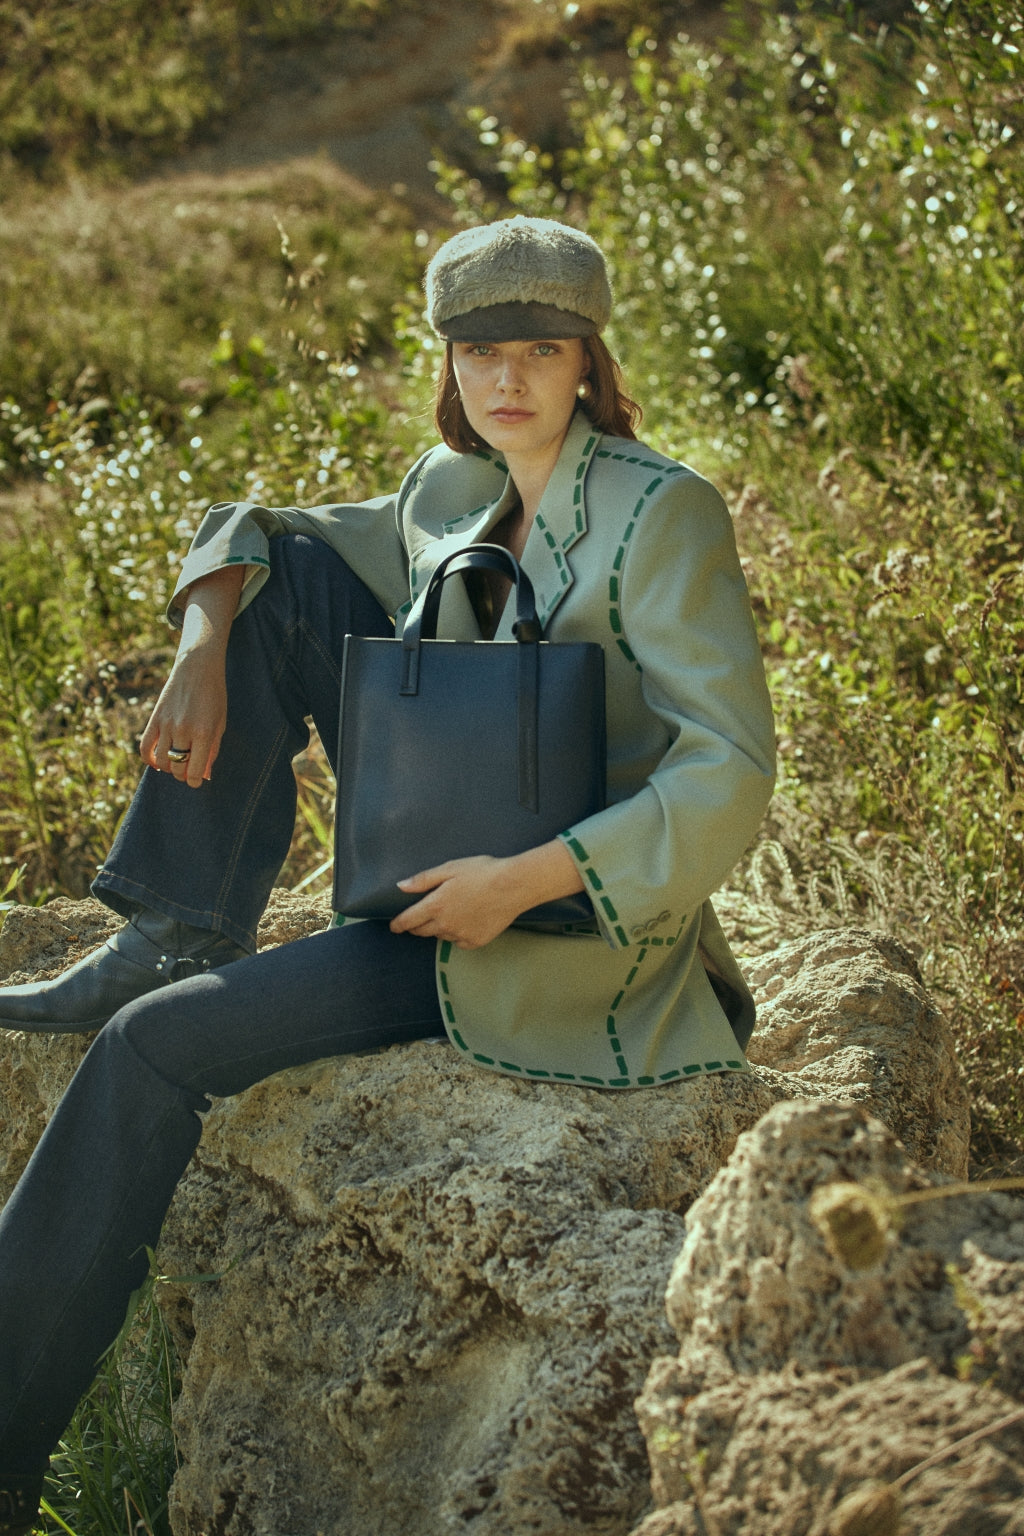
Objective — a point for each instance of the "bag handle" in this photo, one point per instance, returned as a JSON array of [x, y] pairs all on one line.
[[421, 624]]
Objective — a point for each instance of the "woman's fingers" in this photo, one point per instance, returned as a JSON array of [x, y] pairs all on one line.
[[185, 729]]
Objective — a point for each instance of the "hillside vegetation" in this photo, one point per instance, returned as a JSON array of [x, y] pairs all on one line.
[[816, 240], [815, 226]]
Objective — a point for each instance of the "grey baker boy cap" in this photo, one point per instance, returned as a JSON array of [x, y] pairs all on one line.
[[518, 280]]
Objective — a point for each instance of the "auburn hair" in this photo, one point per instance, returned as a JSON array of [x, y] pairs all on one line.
[[607, 405]]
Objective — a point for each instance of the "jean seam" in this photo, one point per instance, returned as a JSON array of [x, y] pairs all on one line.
[[252, 805]]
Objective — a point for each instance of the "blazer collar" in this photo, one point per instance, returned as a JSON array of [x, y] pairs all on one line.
[[561, 521]]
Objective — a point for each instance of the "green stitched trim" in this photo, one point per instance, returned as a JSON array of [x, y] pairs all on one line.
[[616, 1044], [603, 1082], [552, 543], [577, 494], [466, 517], [247, 560], [613, 918], [611, 1024], [615, 623], [632, 458], [540, 1073], [490, 458]]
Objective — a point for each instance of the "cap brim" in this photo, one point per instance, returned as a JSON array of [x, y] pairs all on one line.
[[516, 322]]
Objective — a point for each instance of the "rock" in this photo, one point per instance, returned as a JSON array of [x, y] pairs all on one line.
[[801, 1382], [843, 1013], [39, 942], [440, 1288], [446, 1291]]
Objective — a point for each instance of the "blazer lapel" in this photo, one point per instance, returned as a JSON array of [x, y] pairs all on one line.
[[561, 521], [456, 619]]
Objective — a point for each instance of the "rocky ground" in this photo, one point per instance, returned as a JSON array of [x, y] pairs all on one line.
[[442, 1290]]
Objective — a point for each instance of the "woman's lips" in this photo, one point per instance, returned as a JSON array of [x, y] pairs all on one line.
[[509, 414]]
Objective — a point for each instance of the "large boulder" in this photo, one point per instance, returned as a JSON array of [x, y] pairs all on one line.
[[446, 1288], [817, 1374], [440, 1289]]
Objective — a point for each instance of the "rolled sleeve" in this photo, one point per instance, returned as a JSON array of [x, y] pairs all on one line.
[[364, 533]]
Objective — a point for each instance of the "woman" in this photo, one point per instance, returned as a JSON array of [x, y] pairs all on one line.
[[623, 546]]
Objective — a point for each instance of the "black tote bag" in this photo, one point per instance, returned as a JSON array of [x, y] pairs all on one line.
[[450, 748]]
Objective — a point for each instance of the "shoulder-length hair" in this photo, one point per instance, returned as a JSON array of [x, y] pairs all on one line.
[[607, 405]]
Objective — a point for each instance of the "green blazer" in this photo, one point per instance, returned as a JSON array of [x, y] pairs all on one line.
[[636, 551]]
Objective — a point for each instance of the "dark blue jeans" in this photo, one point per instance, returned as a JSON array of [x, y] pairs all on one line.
[[93, 1197]]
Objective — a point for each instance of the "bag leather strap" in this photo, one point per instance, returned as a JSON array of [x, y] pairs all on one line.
[[421, 624]]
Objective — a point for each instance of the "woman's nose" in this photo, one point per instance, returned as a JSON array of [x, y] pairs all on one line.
[[510, 376]]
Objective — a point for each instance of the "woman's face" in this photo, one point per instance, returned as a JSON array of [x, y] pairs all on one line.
[[519, 396]]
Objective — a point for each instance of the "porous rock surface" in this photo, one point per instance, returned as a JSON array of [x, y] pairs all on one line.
[[440, 1289], [801, 1380]]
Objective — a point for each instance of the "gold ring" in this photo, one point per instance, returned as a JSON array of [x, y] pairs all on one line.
[[178, 754]]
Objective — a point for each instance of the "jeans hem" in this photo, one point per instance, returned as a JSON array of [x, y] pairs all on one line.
[[126, 897]]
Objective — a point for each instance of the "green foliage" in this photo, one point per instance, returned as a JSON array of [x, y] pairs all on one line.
[[83, 649], [176, 293], [117, 82]]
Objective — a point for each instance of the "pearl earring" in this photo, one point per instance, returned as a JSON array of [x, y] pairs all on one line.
[[584, 390]]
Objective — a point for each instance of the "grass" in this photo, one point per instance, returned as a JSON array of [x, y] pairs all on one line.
[[112, 1471], [114, 87]]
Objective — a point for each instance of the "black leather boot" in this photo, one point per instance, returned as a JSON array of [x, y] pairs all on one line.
[[148, 952], [19, 1504]]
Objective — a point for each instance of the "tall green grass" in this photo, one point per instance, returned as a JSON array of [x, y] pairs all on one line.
[[112, 1471]]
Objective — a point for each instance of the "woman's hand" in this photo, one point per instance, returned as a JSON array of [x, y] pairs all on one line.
[[190, 716], [470, 901], [191, 712]]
